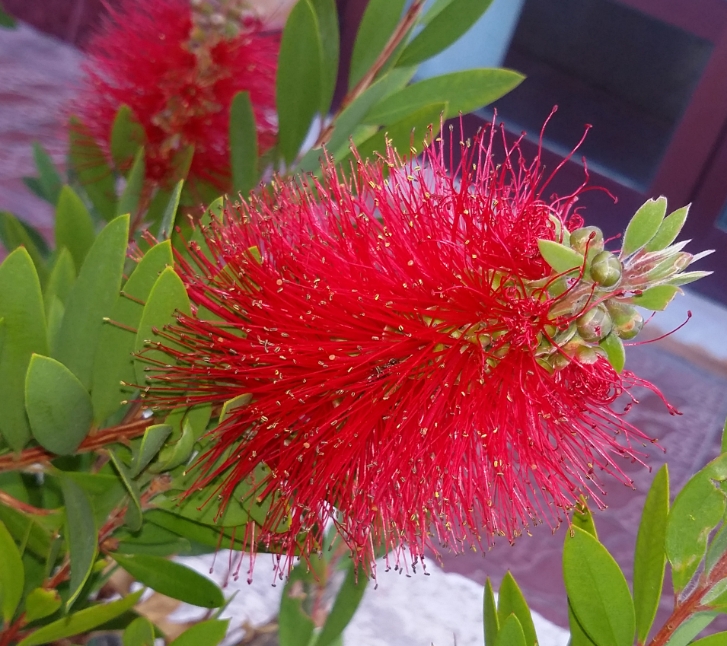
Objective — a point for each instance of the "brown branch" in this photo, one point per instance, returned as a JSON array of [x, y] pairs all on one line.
[[94, 442], [7, 500]]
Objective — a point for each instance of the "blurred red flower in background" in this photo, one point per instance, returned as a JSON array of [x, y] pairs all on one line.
[[178, 66], [409, 363]]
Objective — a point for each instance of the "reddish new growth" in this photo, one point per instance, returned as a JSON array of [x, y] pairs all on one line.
[[179, 78], [387, 330]]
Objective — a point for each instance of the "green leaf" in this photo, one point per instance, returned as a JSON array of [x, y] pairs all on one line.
[[179, 452], [205, 633], [81, 536], [298, 82], [615, 351], [93, 172], [643, 226], [170, 212], [139, 632], [58, 406], [691, 627], [15, 233], [511, 633], [327, 17], [561, 259], [718, 639], [232, 404], [717, 548], [167, 296], [113, 362], [41, 603], [243, 144], [73, 226], [295, 627], [93, 297], [688, 277], [131, 197], [172, 579], [26, 528], [133, 513], [347, 601], [491, 621], [376, 29], [153, 440], [127, 136], [82, 621], [655, 298], [196, 532], [597, 590], [61, 279], [578, 636], [697, 510], [649, 557], [451, 22], [408, 135], [583, 518], [48, 176], [465, 92], [510, 601], [668, 230], [24, 333], [12, 575]]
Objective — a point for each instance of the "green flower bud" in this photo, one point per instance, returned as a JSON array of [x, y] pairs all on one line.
[[627, 320], [595, 324], [587, 355], [587, 237], [606, 269]]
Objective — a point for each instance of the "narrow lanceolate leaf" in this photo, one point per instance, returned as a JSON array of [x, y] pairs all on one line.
[[113, 363], [559, 257], [243, 144], [12, 575], [464, 91], [92, 298], [347, 601], [133, 513], [597, 591], [298, 82], [649, 557], [511, 633], [153, 440], [90, 166], [130, 199], [510, 601], [127, 136], [58, 406], [583, 518], [166, 297], [451, 22], [205, 633], [668, 230], [82, 621], [48, 176], [615, 351], [491, 621], [81, 536], [172, 579], [377, 26], [61, 279], [24, 333], [718, 639], [73, 226], [295, 627], [688, 277], [15, 233], [578, 636], [691, 627], [408, 135], [697, 510], [327, 16], [655, 298], [643, 226], [170, 212], [724, 438]]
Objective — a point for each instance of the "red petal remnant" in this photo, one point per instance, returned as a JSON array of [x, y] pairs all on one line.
[[179, 78], [398, 338]]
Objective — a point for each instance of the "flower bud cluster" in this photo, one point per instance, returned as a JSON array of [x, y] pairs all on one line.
[[595, 301]]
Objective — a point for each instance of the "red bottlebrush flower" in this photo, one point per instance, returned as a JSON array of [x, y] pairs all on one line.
[[179, 76], [413, 364]]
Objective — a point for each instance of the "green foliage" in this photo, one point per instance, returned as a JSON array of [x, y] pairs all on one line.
[[12, 575], [644, 226], [243, 144], [74, 228], [205, 633], [298, 87], [127, 136]]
